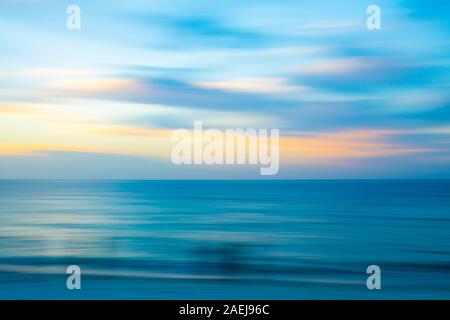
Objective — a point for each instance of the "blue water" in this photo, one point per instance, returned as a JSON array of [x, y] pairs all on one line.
[[225, 239]]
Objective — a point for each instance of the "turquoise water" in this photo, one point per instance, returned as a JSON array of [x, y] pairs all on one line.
[[225, 239]]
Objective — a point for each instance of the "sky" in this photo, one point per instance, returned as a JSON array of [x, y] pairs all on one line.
[[101, 102]]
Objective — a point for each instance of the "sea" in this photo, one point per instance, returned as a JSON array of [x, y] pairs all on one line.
[[262, 239]]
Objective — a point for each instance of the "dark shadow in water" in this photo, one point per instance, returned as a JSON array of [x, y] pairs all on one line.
[[229, 258]]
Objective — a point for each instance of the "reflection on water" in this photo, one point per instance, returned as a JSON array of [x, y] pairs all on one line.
[[225, 239]]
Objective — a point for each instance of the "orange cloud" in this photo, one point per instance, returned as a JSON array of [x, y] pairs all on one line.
[[12, 108], [131, 131], [94, 85], [38, 150], [296, 148], [347, 144]]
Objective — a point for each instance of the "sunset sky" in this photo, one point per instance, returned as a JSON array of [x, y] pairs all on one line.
[[101, 102]]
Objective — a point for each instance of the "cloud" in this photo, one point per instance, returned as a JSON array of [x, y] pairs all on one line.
[[338, 67], [329, 146], [14, 149], [17, 109], [60, 73], [94, 85], [170, 92], [329, 25], [253, 85], [130, 131]]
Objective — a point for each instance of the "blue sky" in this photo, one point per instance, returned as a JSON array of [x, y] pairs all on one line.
[[349, 102]]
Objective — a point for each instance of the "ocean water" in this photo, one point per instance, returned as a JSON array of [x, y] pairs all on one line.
[[225, 239]]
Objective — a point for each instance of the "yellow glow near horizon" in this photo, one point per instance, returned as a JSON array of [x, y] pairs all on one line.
[[94, 127]]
